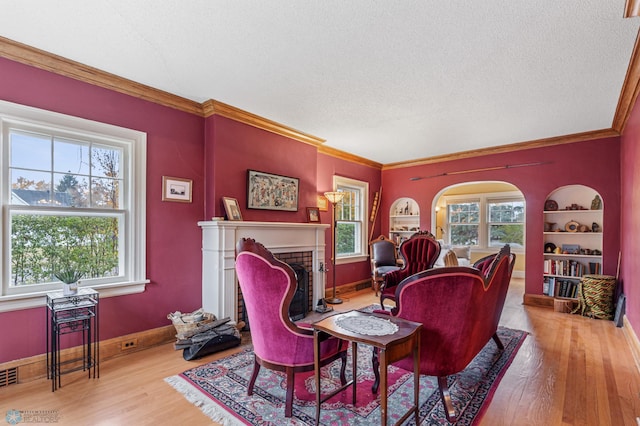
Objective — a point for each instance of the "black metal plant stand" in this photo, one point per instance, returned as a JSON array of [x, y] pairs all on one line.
[[77, 313]]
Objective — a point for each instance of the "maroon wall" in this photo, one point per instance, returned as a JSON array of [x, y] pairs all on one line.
[[174, 148], [592, 163], [630, 206], [232, 148]]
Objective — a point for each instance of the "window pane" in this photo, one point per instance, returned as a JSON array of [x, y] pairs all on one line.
[[41, 243], [347, 238], [464, 235], [105, 193], [71, 157], [512, 234], [506, 211], [71, 190], [464, 212], [30, 151], [29, 188], [105, 162]]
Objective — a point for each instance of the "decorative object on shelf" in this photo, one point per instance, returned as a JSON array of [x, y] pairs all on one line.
[[334, 198], [266, 191], [570, 249], [176, 189], [595, 227], [584, 228], [571, 226], [548, 226], [596, 204], [551, 205], [232, 208], [549, 248], [313, 214], [557, 250]]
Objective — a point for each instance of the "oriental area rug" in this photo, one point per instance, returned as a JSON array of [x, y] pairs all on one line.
[[219, 389]]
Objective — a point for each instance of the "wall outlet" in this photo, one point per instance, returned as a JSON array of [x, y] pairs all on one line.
[[129, 344]]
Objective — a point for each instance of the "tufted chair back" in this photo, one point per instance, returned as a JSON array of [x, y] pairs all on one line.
[[419, 253]]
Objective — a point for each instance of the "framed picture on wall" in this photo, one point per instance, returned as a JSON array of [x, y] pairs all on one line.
[[232, 208], [176, 189], [267, 191], [323, 203]]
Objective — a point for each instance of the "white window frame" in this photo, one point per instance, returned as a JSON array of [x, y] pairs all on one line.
[[483, 225], [363, 188], [133, 278]]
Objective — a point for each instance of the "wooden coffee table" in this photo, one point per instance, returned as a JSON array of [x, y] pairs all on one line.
[[394, 338]]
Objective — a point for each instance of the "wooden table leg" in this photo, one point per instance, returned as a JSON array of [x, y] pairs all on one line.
[[382, 355], [416, 378], [354, 353], [316, 358]]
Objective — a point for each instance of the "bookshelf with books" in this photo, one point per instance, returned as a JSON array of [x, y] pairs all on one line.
[[572, 239]]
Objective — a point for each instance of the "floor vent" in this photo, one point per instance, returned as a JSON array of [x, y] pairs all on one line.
[[8, 377]]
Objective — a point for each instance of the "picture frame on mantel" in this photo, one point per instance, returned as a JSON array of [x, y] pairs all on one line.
[[232, 208], [313, 215], [268, 191]]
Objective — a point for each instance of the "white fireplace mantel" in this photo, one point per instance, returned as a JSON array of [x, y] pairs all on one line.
[[219, 239]]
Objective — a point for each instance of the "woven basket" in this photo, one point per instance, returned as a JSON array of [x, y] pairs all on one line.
[[184, 323], [596, 296]]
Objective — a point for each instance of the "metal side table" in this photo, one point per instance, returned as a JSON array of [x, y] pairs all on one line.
[[76, 313]]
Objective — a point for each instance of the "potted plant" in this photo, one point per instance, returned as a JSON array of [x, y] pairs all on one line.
[[69, 276]]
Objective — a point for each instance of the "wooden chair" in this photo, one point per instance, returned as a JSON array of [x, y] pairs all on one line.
[[419, 253], [459, 308], [268, 286], [384, 259]]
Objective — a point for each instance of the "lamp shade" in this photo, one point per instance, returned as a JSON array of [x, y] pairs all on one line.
[[334, 197]]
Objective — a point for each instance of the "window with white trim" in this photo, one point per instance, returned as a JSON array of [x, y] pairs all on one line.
[[486, 220], [351, 214], [73, 196]]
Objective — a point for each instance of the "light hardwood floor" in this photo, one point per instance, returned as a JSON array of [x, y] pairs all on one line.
[[570, 370]]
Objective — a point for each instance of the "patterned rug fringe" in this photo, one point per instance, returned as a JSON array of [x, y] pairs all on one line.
[[212, 410]]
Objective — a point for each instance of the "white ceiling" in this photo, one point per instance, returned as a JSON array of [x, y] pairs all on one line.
[[389, 81]]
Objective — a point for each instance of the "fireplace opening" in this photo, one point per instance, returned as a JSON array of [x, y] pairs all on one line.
[[301, 303]]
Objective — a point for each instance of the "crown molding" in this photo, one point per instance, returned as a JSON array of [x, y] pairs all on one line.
[[630, 89], [538, 143], [213, 107], [57, 64], [632, 8], [348, 157]]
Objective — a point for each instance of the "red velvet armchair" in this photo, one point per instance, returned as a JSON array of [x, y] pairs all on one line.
[[268, 286], [459, 308], [419, 253]]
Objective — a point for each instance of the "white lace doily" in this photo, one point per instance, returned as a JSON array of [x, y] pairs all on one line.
[[367, 325]]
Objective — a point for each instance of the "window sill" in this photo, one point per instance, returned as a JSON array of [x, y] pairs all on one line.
[[351, 259], [35, 300]]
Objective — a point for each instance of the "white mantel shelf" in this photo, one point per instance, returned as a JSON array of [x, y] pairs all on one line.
[[219, 239]]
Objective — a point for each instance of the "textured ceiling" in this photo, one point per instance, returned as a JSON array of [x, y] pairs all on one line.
[[387, 81]]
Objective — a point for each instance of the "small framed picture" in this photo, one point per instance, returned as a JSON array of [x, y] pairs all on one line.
[[176, 189], [313, 214], [232, 208], [323, 203]]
